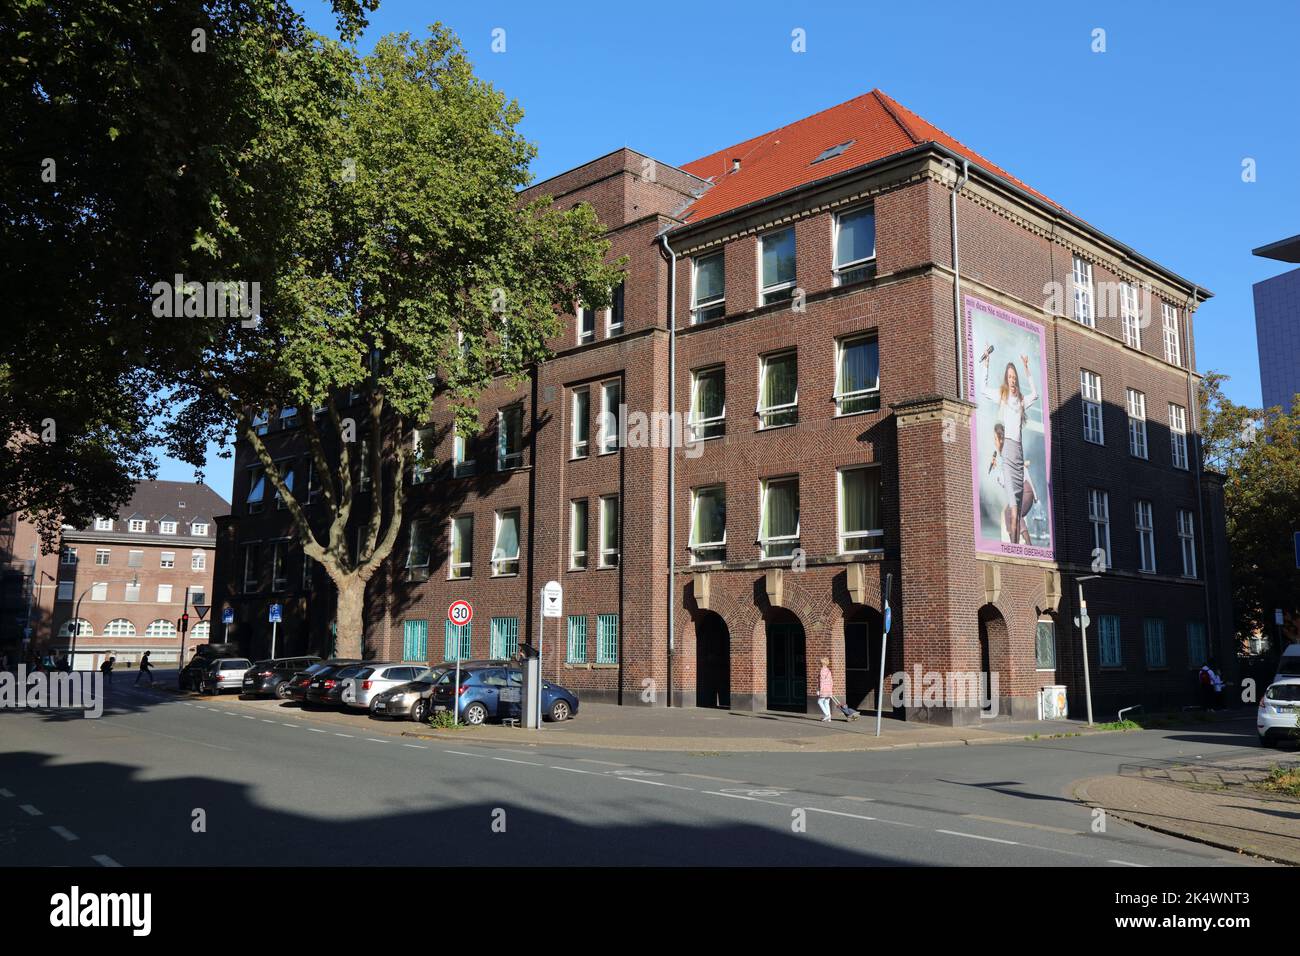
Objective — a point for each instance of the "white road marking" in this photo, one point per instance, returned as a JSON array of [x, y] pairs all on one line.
[[576, 770], [65, 833], [976, 836], [283, 724], [1127, 863], [415, 746], [859, 799], [30, 810], [705, 776], [349, 736], [104, 860], [376, 740], [265, 721], [527, 763], [315, 731], [839, 813], [461, 753], [607, 763], [248, 717], [6, 794], [654, 783]]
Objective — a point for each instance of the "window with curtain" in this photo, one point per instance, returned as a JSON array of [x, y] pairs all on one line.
[[578, 535], [586, 325], [708, 403], [510, 437], [417, 555], [462, 546], [1153, 633], [1108, 641], [505, 552], [616, 312], [778, 399], [855, 245], [1198, 651], [861, 528], [609, 532], [611, 397], [710, 289], [709, 524], [779, 522], [581, 422], [778, 264], [857, 377], [1137, 424]]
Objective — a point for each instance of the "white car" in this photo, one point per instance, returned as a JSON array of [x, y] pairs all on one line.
[[1288, 666], [224, 673], [1278, 710], [375, 678]]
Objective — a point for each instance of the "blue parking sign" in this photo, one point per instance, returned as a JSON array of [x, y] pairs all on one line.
[[1297, 549], [228, 615], [273, 616]]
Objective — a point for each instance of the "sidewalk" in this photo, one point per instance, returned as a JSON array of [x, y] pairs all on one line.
[[1214, 802]]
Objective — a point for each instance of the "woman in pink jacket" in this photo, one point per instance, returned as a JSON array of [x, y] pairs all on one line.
[[825, 689]]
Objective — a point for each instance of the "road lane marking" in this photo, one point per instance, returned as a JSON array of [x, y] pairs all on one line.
[[607, 763], [373, 740], [592, 773], [105, 860], [30, 810], [859, 799], [527, 763], [315, 731], [461, 753], [65, 833], [976, 836], [265, 721], [1127, 863], [1023, 823], [349, 736], [840, 813], [415, 746], [654, 783], [741, 796], [295, 726], [248, 717], [705, 776], [6, 794]]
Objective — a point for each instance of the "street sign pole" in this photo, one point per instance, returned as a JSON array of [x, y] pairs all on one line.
[[1083, 637], [456, 611], [884, 641]]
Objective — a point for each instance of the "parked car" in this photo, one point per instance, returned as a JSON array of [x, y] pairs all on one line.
[[1279, 708], [203, 657], [495, 691], [271, 677], [297, 689], [326, 687], [1288, 664], [224, 673], [410, 701], [375, 678]]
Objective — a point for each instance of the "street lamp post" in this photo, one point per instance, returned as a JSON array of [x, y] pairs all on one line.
[[76, 620], [1083, 637]]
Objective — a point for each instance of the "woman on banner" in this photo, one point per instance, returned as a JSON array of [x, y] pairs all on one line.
[[1013, 403]]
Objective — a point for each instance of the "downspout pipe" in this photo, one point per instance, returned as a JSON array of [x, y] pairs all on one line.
[[1194, 452], [672, 456], [958, 322]]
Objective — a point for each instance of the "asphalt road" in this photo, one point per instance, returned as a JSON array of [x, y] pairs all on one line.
[[272, 785]]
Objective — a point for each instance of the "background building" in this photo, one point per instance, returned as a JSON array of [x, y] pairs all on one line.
[[128, 578], [1277, 326], [841, 429]]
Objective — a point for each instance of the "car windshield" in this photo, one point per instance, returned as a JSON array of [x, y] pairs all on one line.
[[317, 668], [237, 664], [350, 670], [1290, 665], [1288, 692]]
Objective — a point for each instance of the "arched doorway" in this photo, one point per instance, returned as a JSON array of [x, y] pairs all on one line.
[[863, 629], [992, 645], [787, 672], [712, 661]]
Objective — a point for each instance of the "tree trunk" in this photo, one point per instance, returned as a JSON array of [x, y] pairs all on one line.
[[349, 617]]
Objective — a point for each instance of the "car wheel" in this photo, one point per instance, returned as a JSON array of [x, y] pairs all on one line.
[[1266, 741], [475, 714], [560, 710], [419, 711], [282, 690]]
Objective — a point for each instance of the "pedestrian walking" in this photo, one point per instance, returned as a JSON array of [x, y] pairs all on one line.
[[106, 669], [145, 668], [825, 689]]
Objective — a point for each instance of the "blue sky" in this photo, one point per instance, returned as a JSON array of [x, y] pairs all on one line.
[[1145, 140]]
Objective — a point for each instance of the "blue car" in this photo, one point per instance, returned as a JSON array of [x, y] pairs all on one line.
[[495, 692]]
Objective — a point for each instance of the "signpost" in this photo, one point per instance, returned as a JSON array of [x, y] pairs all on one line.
[[552, 605], [1083, 621], [227, 619], [459, 613], [274, 614], [884, 641]]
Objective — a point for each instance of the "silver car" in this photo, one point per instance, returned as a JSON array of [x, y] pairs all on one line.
[[224, 673], [375, 678]]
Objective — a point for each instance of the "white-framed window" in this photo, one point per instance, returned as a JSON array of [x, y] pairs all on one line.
[[580, 427], [160, 628], [135, 559], [611, 397], [418, 546], [84, 628], [119, 627], [855, 245], [64, 591], [164, 594], [505, 547], [69, 555], [167, 559], [461, 463], [279, 565], [1178, 435], [778, 389], [1137, 423], [1083, 293], [708, 288], [614, 314], [708, 402], [138, 525], [708, 524], [103, 524], [610, 532], [132, 593], [461, 560], [200, 631], [251, 570], [857, 375], [286, 474], [1090, 390], [578, 534], [198, 560], [586, 324], [1099, 519], [1130, 315], [510, 437], [1142, 521], [99, 591], [363, 464], [779, 517], [1045, 645], [1112, 654], [167, 527], [199, 529], [262, 421], [256, 489], [421, 448], [102, 556], [1187, 542], [776, 256], [1169, 324], [861, 528], [289, 417]]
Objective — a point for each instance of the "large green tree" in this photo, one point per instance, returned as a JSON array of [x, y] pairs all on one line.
[[1258, 453], [416, 272], [139, 140]]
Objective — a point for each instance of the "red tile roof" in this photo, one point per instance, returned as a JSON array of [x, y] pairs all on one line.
[[783, 159]]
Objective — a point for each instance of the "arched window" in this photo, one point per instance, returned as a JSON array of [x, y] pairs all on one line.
[[161, 628], [83, 629], [199, 631], [120, 627]]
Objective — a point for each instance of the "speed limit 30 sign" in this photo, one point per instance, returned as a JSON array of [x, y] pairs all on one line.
[[460, 612]]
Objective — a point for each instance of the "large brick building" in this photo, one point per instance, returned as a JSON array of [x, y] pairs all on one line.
[[857, 408], [127, 578]]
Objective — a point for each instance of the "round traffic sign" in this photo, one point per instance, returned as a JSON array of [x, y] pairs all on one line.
[[460, 612]]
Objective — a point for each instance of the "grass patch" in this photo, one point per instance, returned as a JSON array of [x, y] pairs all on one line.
[[1283, 780], [1126, 724], [442, 720]]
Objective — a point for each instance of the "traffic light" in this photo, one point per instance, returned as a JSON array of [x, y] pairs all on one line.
[[185, 622]]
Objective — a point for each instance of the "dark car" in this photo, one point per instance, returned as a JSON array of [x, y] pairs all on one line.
[[192, 673], [495, 692], [296, 688], [325, 689], [271, 677]]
